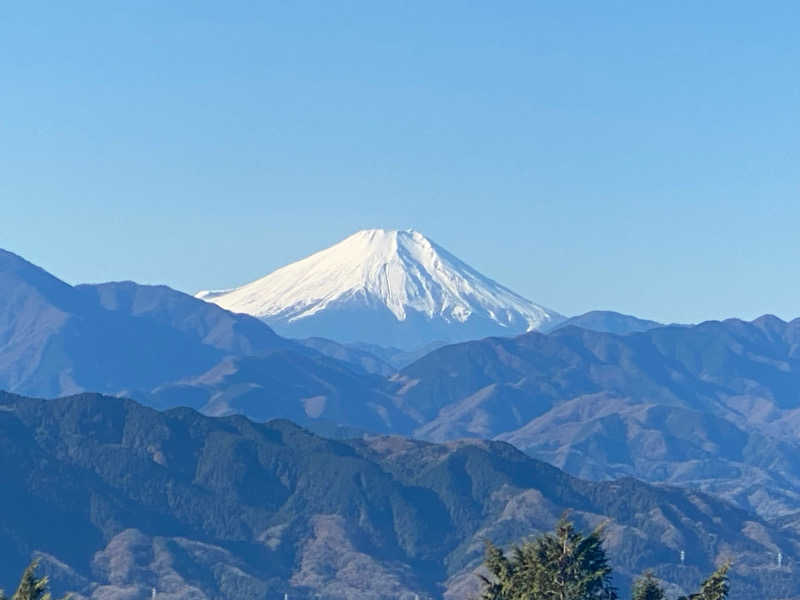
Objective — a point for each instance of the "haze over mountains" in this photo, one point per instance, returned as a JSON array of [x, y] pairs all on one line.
[[711, 407], [714, 406], [166, 348], [605, 321], [597, 404], [385, 287]]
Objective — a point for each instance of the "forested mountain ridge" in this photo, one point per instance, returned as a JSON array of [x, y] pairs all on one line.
[[715, 406], [118, 498]]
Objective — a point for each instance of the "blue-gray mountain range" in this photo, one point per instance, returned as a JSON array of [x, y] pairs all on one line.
[[712, 407], [117, 499]]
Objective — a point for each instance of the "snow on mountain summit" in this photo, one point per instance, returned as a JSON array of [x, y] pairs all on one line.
[[386, 287]]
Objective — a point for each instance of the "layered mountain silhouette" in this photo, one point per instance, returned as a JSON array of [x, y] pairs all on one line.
[[168, 348], [56, 338], [606, 321], [713, 406], [387, 360], [117, 499]]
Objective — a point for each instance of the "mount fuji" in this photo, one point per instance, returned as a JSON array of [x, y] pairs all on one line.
[[385, 287]]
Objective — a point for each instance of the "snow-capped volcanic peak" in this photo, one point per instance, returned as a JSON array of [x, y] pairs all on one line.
[[400, 271]]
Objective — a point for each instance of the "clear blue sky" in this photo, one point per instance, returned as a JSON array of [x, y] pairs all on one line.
[[640, 156]]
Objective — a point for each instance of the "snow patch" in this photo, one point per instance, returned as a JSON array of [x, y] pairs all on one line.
[[400, 271]]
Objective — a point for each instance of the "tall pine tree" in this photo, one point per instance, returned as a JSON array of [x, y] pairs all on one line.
[[647, 588], [30, 586], [716, 587], [561, 565]]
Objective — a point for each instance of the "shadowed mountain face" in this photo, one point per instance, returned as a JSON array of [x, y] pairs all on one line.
[[167, 348], [211, 326], [54, 341], [55, 338], [311, 390], [118, 498], [713, 406], [369, 358], [365, 361]]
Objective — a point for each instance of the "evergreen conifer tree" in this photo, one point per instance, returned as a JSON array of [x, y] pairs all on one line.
[[647, 588], [716, 587], [30, 586], [501, 572], [561, 565]]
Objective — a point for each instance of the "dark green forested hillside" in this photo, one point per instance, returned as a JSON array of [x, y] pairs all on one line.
[[117, 498]]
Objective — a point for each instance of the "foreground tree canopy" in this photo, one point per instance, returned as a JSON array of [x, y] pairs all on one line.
[[714, 588], [647, 588], [30, 586], [565, 564]]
